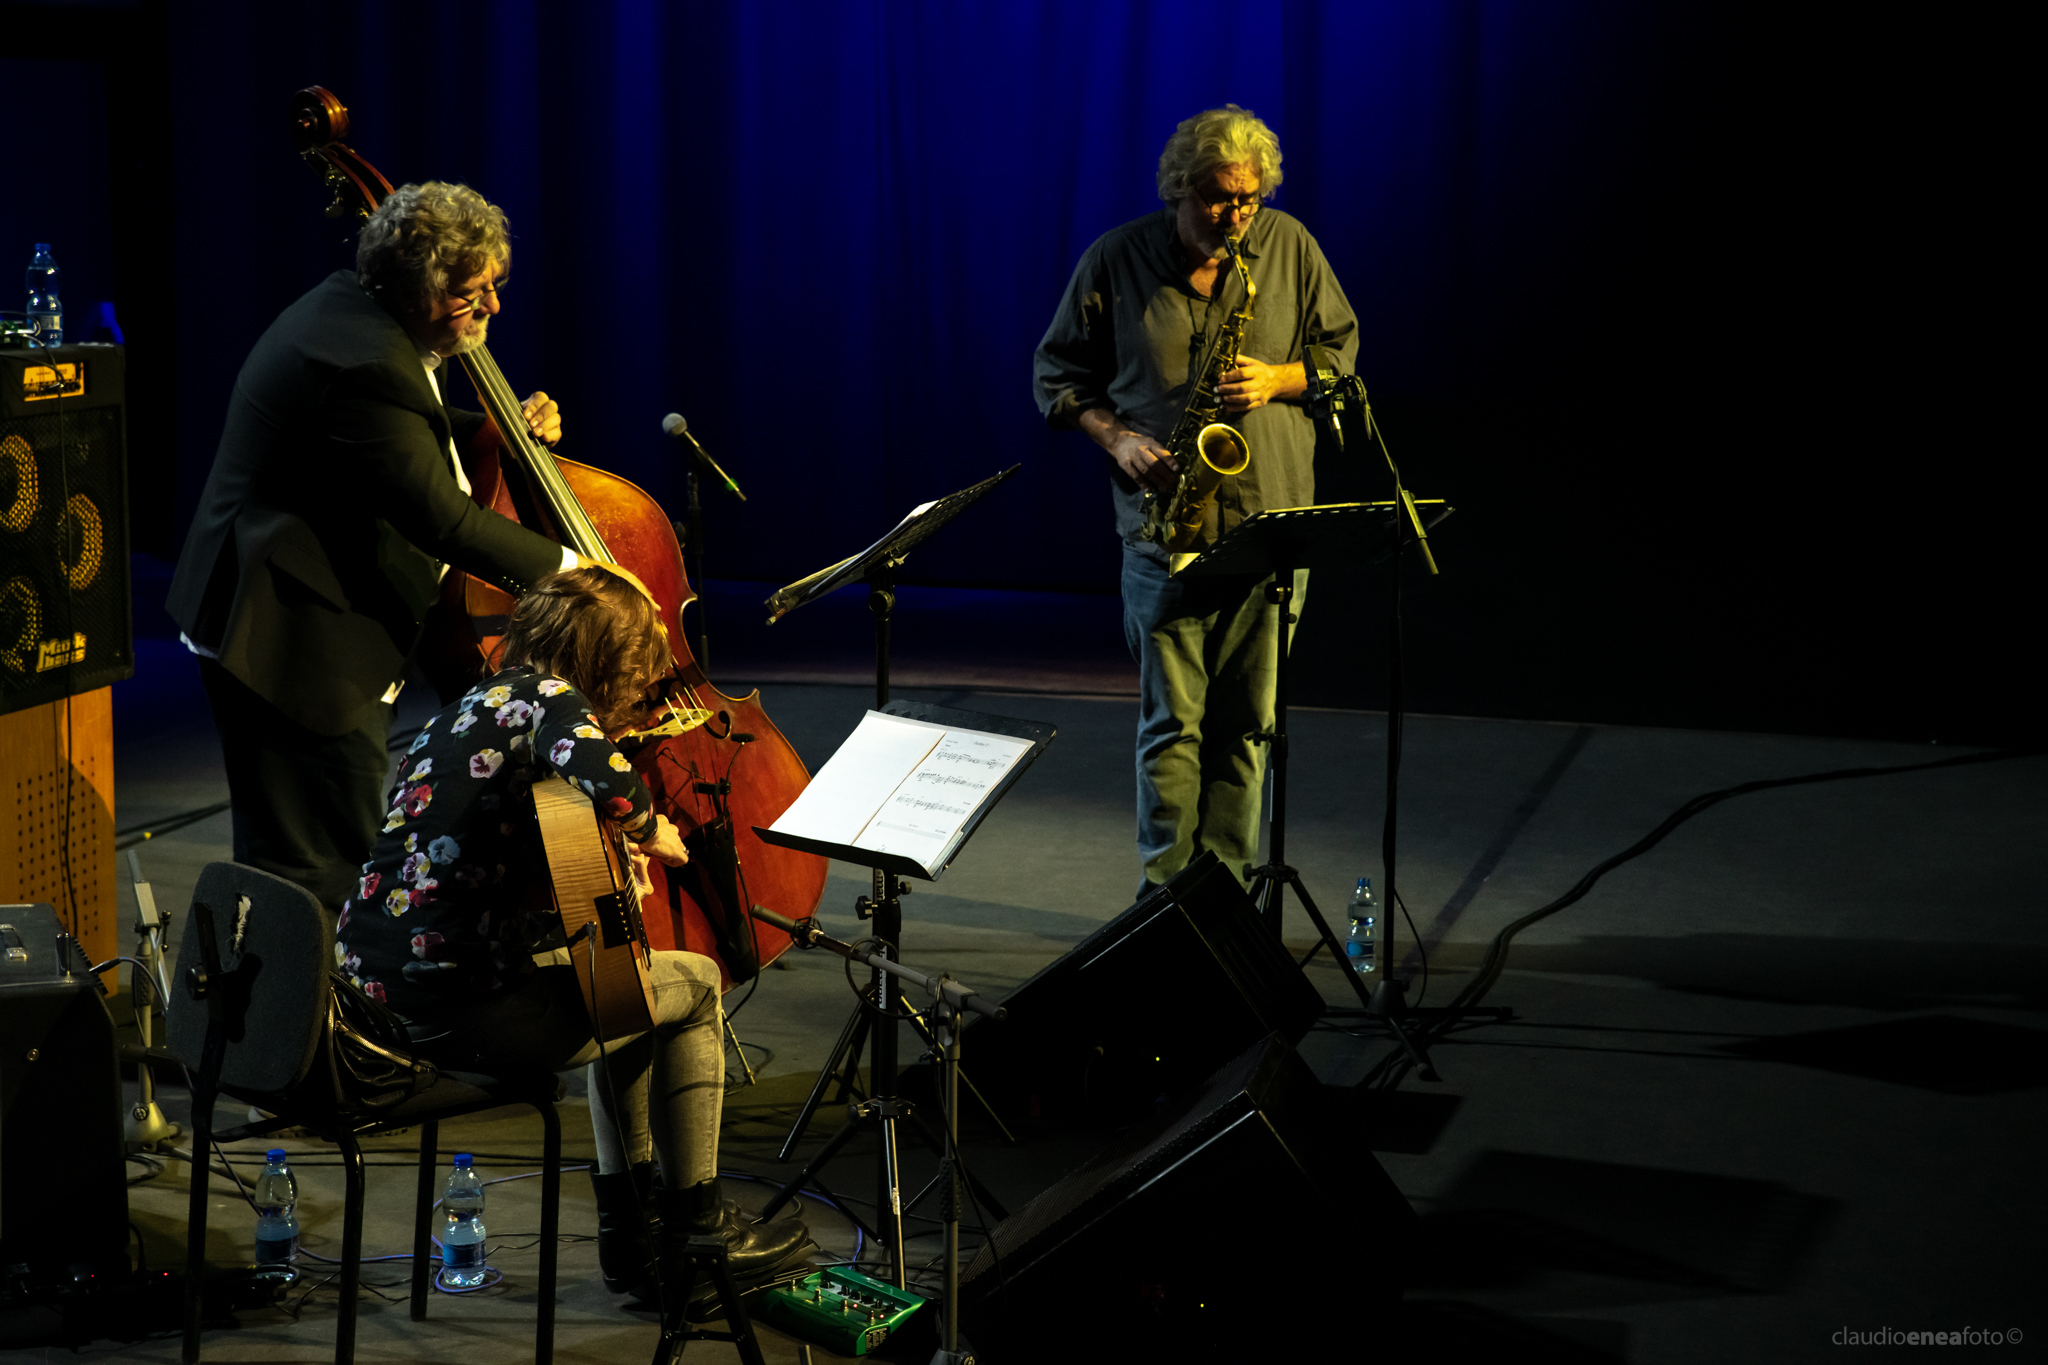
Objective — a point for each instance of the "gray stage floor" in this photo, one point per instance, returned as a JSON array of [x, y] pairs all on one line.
[[1782, 1076]]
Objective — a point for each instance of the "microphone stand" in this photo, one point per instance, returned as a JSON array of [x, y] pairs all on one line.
[[952, 1003], [690, 531], [1330, 392]]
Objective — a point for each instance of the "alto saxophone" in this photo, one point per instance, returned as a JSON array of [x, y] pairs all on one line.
[[1206, 449]]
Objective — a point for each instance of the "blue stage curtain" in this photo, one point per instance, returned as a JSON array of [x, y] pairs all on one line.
[[831, 235]]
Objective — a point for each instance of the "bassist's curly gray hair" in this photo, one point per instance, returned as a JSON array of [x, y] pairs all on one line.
[[424, 236]]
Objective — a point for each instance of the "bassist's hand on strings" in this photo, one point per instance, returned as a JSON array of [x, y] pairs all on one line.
[[543, 417]]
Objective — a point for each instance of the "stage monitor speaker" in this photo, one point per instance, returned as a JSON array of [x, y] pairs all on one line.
[[64, 610], [1146, 1007], [63, 1175], [1240, 1225]]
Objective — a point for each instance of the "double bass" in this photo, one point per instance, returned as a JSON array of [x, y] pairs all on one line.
[[716, 765]]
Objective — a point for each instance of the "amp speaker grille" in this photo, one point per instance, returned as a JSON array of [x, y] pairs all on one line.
[[64, 609]]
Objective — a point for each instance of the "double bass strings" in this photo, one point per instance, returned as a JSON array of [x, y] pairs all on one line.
[[498, 397], [575, 524]]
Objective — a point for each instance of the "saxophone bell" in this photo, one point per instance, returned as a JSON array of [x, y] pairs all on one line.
[[1224, 449]]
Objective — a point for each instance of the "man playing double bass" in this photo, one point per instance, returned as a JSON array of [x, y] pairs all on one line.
[[335, 504]]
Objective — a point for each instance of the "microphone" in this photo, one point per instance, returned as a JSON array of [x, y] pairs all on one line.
[[673, 425], [1326, 393]]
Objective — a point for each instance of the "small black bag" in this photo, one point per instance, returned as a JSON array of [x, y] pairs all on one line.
[[367, 1062]]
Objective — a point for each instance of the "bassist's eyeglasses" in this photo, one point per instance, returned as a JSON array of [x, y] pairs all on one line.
[[470, 303]]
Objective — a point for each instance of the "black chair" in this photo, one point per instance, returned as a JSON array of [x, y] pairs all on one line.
[[251, 1022]]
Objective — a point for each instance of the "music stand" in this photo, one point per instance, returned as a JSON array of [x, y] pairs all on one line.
[[1278, 543], [876, 566]]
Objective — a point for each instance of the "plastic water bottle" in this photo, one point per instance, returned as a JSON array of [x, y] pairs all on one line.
[[44, 308], [277, 1226], [462, 1228], [1362, 947]]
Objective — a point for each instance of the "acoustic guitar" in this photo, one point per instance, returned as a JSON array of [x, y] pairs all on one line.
[[599, 905]]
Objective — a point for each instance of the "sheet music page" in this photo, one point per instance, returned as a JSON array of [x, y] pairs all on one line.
[[845, 794], [924, 814]]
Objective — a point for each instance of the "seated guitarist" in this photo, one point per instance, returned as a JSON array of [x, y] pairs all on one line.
[[453, 926]]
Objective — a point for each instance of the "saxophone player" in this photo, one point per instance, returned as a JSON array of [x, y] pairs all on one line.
[[1125, 351]]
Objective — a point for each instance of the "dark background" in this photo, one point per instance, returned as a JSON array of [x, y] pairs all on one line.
[[1696, 312]]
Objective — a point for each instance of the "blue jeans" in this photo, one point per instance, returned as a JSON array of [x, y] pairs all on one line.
[[1206, 649]]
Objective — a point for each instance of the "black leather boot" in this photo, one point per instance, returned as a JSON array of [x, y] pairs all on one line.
[[754, 1252], [624, 1212]]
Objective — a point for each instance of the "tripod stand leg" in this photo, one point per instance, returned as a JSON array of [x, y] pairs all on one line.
[[817, 1164], [1009, 1138], [936, 1140], [1423, 1068], [1329, 936], [1273, 879], [739, 1050], [1390, 1007], [847, 1048], [849, 1073]]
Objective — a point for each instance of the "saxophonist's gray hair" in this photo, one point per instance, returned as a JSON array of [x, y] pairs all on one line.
[[1215, 138], [423, 237]]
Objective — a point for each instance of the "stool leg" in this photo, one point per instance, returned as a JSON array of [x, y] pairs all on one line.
[[422, 1236], [195, 1218], [550, 1228], [351, 1249], [675, 1298], [737, 1322]]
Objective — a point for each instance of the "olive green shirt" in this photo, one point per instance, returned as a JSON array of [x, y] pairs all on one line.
[[1130, 330]]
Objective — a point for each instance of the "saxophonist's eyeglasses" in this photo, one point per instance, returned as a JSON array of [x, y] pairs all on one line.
[[1246, 204]]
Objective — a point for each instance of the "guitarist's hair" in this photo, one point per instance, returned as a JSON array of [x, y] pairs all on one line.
[[596, 631]]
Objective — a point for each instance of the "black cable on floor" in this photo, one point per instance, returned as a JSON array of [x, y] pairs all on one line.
[[1394, 1068], [137, 834]]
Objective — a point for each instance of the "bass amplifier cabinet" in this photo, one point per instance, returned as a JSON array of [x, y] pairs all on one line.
[[63, 1175], [64, 609], [1146, 1007], [1232, 1228]]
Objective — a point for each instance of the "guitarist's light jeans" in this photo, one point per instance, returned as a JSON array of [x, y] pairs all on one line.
[[659, 1094]]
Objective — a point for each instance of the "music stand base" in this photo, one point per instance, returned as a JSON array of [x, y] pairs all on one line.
[[1388, 1013]]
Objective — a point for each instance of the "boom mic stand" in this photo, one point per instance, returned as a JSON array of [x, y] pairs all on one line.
[[949, 1000], [1331, 391], [690, 532]]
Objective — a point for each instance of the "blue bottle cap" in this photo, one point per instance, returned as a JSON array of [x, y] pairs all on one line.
[[275, 1154], [462, 1162]]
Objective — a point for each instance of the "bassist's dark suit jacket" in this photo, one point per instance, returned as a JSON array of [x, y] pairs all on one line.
[[318, 542]]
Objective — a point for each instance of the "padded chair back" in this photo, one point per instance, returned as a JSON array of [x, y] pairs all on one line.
[[275, 949]]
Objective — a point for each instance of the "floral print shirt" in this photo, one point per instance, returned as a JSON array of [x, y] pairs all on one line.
[[455, 900]]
